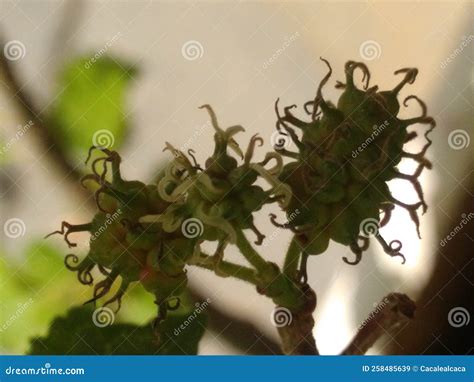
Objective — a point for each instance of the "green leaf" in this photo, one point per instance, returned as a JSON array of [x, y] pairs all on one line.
[[91, 101], [77, 334], [38, 287], [34, 290]]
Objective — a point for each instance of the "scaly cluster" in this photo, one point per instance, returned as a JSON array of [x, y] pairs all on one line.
[[223, 196], [345, 156], [122, 246], [336, 181], [148, 233]]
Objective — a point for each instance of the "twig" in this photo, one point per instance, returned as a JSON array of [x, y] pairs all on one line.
[[226, 268], [395, 310], [250, 254], [29, 112], [297, 300], [297, 337]]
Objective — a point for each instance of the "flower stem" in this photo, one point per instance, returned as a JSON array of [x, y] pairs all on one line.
[[290, 267], [227, 269], [250, 254]]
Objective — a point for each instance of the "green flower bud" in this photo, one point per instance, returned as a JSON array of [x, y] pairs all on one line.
[[345, 157]]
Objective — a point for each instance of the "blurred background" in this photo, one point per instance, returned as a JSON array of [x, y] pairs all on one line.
[[133, 74]]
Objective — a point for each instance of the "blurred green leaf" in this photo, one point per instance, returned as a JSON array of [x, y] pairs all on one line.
[[32, 292], [39, 288], [77, 334], [90, 105]]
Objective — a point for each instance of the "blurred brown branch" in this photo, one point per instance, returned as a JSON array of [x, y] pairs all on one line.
[[27, 109], [392, 312], [449, 290]]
